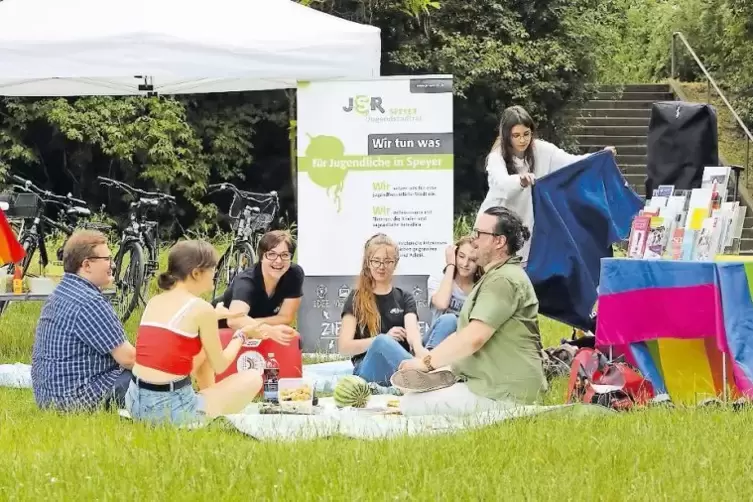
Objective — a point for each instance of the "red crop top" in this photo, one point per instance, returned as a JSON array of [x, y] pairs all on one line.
[[166, 348]]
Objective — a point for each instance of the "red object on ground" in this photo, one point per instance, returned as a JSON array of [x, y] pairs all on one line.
[[289, 357]]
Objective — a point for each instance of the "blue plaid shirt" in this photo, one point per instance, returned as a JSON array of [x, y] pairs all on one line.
[[71, 365]]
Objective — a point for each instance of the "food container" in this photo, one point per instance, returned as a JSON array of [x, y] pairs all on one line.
[[296, 395], [41, 285]]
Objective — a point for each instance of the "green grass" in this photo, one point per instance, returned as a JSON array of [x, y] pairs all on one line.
[[647, 455]]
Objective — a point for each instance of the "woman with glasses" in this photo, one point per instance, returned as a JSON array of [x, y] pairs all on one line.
[[516, 160], [270, 292], [379, 322]]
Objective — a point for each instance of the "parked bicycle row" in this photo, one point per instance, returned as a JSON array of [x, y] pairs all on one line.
[[40, 216]]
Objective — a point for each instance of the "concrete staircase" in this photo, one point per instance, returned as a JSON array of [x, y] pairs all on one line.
[[619, 116]]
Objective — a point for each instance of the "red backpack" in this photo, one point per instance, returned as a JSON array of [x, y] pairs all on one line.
[[596, 380]]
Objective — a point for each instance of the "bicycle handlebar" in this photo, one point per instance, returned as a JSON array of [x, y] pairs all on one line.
[[254, 196], [27, 186], [143, 194]]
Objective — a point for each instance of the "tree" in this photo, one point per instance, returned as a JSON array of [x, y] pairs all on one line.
[[501, 53]]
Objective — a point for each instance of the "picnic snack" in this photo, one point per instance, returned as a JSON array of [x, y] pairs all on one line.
[[352, 391], [393, 403], [302, 393]]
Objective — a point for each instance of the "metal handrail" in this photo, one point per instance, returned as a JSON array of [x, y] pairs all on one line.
[[711, 81]]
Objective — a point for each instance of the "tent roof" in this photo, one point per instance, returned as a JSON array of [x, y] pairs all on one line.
[[107, 47]]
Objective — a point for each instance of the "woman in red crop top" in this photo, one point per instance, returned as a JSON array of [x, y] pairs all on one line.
[[178, 338]]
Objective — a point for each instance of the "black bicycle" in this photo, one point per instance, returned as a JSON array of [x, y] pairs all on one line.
[[27, 206], [30, 204], [137, 258], [251, 214]]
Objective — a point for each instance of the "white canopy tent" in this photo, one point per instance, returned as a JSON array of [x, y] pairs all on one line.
[[128, 47]]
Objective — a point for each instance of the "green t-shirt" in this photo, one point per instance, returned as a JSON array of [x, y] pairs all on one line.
[[509, 365]]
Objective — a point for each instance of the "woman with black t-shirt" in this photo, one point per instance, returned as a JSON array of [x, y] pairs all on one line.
[[379, 322], [270, 292]]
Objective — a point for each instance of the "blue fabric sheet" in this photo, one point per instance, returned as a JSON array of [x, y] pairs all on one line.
[[580, 211], [737, 304], [619, 275]]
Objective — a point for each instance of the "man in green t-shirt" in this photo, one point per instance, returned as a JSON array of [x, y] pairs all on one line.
[[495, 355]]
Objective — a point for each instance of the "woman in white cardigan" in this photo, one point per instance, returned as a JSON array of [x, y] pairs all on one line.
[[516, 160]]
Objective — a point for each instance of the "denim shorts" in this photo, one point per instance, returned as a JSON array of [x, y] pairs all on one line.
[[178, 407]]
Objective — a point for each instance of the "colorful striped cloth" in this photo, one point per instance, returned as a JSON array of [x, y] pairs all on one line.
[[679, 320], [10, 249]]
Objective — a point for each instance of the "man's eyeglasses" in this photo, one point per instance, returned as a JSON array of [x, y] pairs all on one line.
[[475, 233], [94, 258], [272, 256], [382, 263]]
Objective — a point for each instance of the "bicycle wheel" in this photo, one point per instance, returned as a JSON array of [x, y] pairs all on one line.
[[231, 264], [129, 276]]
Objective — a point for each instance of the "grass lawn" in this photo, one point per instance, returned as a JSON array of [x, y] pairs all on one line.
[[647, 455]]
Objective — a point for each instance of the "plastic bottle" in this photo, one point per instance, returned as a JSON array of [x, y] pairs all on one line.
[[18, 280], [271, 379]]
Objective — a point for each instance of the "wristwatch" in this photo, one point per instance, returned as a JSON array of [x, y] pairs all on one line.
[[427, 362]]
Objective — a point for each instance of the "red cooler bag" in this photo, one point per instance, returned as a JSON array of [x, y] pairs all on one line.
[[253, 356]]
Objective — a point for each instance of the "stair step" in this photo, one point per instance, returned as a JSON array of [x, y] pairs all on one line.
[[615, 113], [621, 104], [613, 130], [624, 149], [747, 233], [624, 159], [639, 169], [635, 179], [748, 222], [746, 245], [635, 96], [614, 121], [612, 140], [636, 88]]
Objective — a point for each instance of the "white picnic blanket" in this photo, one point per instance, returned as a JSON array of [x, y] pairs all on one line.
[[325, 375], [16, 375], [368, 423], [371, 423]]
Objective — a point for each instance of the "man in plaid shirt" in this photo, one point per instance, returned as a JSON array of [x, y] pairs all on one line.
[[81, 358]]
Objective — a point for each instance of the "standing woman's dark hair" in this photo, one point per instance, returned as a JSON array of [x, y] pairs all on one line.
[[510, 226], [512, 116]]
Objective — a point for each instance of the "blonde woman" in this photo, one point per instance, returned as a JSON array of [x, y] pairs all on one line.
[[178, 337], [449, 290], [379, 322]]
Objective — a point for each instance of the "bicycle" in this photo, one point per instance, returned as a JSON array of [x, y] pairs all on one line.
[[139, 243], [30, 206], [252, 215]]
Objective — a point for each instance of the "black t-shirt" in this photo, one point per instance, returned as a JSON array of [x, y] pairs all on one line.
[[248, 287], [392, 309]]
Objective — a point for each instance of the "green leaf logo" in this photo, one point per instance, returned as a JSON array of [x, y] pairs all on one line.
[[324, 149]]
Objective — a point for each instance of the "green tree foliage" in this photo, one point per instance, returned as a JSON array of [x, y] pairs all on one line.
[[536, 54], [634, 39]]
